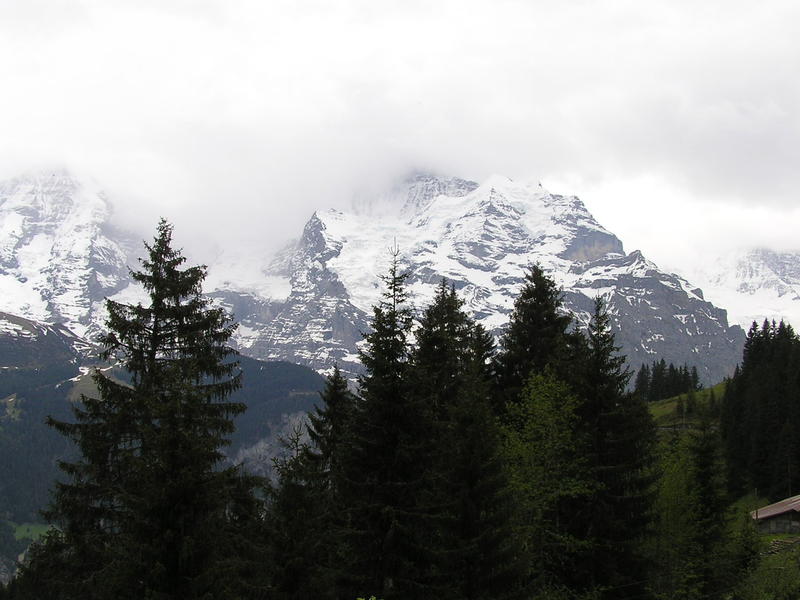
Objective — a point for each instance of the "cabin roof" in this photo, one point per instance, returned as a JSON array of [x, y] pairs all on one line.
[[778, 508]]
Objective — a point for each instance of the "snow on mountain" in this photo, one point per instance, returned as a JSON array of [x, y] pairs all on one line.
[[753, 285], [59, 257], [27, 344], [482, 238], [310, 304]]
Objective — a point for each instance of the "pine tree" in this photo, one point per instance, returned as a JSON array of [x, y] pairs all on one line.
[[330, 430], [439, 358], [148, 511], [642, 385], [674, 383], [296, 525], [711, 514], [664, 380], [470, 542], [761, 414], [620, 436], [489, 559], [692, 535], [306, 509], [734, 428], [384, 471], [435, 379], [658, 381], [694, 380], [536, 336]]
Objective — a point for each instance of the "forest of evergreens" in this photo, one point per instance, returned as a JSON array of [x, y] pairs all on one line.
[[454, 469], [659, 380], [761, 414]]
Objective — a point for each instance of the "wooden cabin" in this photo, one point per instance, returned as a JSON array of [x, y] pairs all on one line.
[[781, 517]]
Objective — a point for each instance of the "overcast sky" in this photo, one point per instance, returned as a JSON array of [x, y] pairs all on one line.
[[678, 123]]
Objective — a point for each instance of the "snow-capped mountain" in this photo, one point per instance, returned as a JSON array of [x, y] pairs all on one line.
[[753, 285], [59, 256], [482, 238], [311, 303], [26, 344]]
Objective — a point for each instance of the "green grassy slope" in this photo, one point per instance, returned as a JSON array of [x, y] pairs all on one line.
[[685, 410]]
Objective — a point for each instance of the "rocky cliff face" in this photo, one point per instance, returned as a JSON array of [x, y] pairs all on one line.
[[59, 256], [311, 303], [482, 238], [31, 344]]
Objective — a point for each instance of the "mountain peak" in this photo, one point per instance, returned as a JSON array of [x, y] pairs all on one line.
[[423, 188], [56, 260], [753, 284], [59, 260], [410, 195], [53, 196]]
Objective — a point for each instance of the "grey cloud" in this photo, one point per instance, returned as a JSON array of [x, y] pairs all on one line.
[[271, 110]]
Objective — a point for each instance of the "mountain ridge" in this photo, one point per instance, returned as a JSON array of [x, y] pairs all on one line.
[[482, 239], [311, 303], [754, 284]]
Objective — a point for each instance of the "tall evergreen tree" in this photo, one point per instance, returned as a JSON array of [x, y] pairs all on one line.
[[694, 379], [489, 559], [147, 509], [711, 514], [761, 414], [306, 510], [620, 435], [692, 541], [642, 385], [297, 525], [665, 381], [330, 430], [439, 358], [471, 542], [672, 384], [658, 381], [734, 426], [536, 336], [384, 471]]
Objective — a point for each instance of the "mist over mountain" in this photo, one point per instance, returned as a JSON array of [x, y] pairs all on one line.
[[61, 257], [753, 284]]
